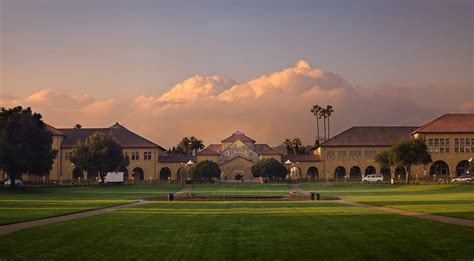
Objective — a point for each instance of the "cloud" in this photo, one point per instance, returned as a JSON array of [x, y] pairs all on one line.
[[268, 108]]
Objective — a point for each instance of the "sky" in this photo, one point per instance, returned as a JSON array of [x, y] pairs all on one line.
[[167, 69]]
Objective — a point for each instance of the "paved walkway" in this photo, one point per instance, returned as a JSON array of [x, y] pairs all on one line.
[[185, 189], [297, 188], [7, 229], [442, 219]]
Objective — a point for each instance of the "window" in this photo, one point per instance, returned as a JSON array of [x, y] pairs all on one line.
[[436, 145], [68, 155], [456, 145], [461, 145], [472, 144], [355, 154], [135, 156], [430, 145], [441, 145], [147, 155], [468, 145], [330, 155], [447, 146], [370, 154], [341, 154]]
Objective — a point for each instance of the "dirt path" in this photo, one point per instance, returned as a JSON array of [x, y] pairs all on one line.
[[7, 229], [442, 219]]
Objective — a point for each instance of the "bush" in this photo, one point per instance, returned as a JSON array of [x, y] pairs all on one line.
[[205, 170], [269, 168]]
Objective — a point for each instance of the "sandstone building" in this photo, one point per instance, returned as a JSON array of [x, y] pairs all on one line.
[[347, 156]]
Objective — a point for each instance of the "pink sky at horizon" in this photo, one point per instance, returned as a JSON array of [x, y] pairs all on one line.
[[269, 108]]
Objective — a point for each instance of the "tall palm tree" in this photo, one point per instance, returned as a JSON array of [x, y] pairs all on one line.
[[296, 145], [315, 110], [323, 115], [288, 146], [329, 111]]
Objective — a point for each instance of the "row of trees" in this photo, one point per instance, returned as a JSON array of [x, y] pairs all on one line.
[[322, 113], [294, 146], [265, 168], [187, 146]]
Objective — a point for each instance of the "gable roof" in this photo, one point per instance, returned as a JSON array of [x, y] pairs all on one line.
[[270, 151], [449, 123], [369, 136], [238, 136], [236, 157], [124, 137], [208, 151], [53, 130]]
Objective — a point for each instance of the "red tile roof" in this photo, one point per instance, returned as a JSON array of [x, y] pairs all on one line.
[[370, 136], [176, 158], [124, 137], [208, 151], [449, 123], [238, 136], [270, 151], [301, 158], [215, 147]]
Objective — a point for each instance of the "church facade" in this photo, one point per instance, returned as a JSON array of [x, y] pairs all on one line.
[[349, 155]]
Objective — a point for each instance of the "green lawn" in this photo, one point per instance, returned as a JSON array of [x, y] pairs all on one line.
[[248, 189], [448, 200], [33, 203], [242, 230]]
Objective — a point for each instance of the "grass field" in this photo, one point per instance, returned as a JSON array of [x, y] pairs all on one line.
[[239, 189], [447, 200], [33, 203], [241, 230]]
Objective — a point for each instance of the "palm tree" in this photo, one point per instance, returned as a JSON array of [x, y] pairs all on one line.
[[323, 115], [288, 146], [329, 111], [296, 145], [195, 144], [77, 126], [315, 110]]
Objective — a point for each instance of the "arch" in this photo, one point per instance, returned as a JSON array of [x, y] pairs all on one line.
[[165, 173], [386, 173], [295, 172], [181, 174], [77, 173], [355, 173], [313, 172], [238, 174], [340, 173], [138, 174], [439, 167], [462, 168], [125, 173], [400, 173], [370, 170]]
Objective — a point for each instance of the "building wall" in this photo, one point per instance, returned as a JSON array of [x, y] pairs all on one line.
[[207, 157], [277, 157], [333, 157], [148, 166], [449, 154]]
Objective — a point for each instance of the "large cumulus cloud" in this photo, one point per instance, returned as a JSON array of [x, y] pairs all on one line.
[[268, 108]]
